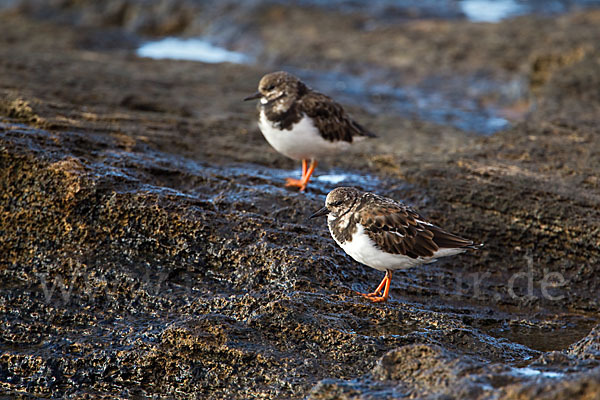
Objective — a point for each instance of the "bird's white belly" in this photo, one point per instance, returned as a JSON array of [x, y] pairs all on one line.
[[303, 141], [364, 250]]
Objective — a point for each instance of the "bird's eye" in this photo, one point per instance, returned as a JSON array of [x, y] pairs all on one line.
[[270, 87], [335, 203]]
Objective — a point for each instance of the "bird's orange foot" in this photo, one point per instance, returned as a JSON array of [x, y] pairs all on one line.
[[369, 295], [299, 183], [378, 299], [384, 285], [374, 297]]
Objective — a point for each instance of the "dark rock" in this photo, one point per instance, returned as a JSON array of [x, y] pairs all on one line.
[[149, 248], [588, 347]]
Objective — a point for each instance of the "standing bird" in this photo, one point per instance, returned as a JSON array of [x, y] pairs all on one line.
[[385, 234], [302, 124]]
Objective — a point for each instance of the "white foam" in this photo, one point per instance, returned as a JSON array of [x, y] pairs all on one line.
[[190, 49], [528, 371], [497, 123], [490, 11], [334, 179]]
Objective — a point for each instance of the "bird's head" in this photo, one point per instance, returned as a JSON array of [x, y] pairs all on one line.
[[279, 89], [338, 202]]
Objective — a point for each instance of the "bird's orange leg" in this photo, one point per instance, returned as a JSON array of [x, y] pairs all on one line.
[[304, 167], [301, 183], [378, 290], [385, 285], [298, 182]]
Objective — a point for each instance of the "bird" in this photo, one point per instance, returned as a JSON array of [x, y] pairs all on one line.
[[301, 123], [385, 234]]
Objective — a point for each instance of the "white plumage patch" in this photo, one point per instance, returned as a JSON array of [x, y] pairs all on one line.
[[362, 249], [303, 141]]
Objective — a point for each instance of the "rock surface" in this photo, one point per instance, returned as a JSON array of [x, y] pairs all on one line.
[[149, 247]]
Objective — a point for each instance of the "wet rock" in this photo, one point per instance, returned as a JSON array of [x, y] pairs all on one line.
[[579, 386], [425, 365], [150, 248], [423, 371], [588, 347]]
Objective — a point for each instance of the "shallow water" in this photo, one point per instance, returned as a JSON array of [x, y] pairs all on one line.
[[477, 104], [473, 10], [528, 371], [491, 11], [456, 101], [497, 10], [439, 100], [556, 334], [190, 49]]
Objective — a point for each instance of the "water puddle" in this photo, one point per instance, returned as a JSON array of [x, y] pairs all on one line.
[[470, 103], [550, 335], [192, 50], [497, 10], [333, 179], [273, 180], [491, 11], [462, 102], [465, 102], [530, 372]]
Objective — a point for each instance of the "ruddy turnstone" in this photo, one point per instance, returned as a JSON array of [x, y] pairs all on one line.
[[302, 124], [385, 234]]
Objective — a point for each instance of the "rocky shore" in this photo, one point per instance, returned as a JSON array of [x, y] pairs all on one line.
[[149, 247]]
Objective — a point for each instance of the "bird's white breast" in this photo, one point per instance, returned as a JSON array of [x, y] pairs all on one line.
[[303, 141], [364, 250]]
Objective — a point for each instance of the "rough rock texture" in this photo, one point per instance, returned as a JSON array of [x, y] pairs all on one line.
[[149, 247]]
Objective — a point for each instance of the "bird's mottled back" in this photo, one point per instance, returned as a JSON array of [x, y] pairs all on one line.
[[394, 227], [302, 124], [286, 100], [385, 234]]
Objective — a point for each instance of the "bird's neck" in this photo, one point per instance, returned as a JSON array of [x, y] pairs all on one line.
[[342, 227]]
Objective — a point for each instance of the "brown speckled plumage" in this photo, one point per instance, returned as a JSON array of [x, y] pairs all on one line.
[[289, 99], [385, 234], [394, 227]]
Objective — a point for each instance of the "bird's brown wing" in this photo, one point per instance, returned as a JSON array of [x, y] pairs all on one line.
[[398, 229], [330, 118]]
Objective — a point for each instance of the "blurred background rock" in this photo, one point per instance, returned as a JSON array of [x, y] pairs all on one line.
[[148, 247]]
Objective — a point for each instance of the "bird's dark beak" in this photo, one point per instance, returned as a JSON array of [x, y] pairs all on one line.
[[254, 96], [320, 213]]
